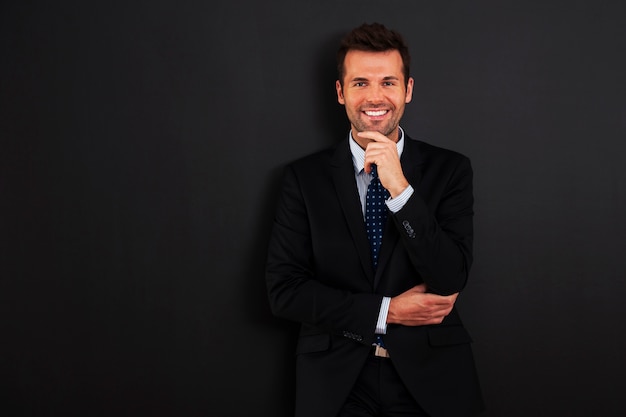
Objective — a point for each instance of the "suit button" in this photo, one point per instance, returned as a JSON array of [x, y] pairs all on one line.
[[409, 229], [352, 336]]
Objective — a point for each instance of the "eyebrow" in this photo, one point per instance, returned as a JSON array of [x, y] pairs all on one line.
[[387, 78]]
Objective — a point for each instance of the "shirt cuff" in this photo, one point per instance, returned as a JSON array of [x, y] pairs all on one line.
[[395, 204], [381, 325]]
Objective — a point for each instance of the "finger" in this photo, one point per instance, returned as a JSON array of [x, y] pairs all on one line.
[[439, 300], [373, 135], [423, 322], [382, 155]]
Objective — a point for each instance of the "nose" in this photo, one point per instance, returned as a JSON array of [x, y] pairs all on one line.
[[375, 94]]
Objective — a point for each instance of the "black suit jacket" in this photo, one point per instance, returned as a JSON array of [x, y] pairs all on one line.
[[320, 273]]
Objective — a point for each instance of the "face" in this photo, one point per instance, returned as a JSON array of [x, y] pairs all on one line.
[[374, 92]]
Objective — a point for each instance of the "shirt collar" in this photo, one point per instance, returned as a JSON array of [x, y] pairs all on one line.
[[358, 153]]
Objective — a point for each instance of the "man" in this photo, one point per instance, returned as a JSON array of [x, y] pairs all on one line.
[[379, 332]]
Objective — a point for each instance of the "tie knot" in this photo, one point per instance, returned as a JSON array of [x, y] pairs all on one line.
[[374, 171]]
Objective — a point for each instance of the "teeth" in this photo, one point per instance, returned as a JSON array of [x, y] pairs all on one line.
[[376, 113]]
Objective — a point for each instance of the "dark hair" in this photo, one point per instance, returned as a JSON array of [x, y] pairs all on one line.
[[373, 37]]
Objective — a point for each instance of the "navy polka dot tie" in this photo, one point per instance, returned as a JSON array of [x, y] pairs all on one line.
[[375, 214]]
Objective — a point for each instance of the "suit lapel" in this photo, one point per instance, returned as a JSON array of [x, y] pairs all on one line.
[[348, 196]]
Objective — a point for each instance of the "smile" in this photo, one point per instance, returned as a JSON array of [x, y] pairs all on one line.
[[376, 113]]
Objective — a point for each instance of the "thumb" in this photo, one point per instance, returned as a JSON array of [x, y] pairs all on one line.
[[420, 288]]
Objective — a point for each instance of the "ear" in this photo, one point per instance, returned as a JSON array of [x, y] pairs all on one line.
[[340, 97], [409, 91]]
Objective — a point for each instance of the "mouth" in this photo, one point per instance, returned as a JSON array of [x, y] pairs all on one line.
[[376, 113]]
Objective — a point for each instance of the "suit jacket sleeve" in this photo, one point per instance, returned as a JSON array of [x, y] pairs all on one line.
[[436, 224], [299, 288]]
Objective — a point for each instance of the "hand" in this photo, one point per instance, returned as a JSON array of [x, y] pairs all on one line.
[[383, 152], [416, 307]]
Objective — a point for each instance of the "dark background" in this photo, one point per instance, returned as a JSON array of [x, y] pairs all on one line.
[[141, 147]]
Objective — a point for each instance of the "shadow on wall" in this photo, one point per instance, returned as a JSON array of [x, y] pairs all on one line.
[[329, 114]]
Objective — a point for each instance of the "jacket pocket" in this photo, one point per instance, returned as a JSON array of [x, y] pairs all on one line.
[[313, 343], [448, 335]]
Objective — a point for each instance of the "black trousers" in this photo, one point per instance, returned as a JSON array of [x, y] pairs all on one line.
[[379, 392]]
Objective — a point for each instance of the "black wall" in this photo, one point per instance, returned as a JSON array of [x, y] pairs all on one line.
[[141, 147]]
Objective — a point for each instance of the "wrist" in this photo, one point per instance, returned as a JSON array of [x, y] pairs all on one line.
[[398, 189]]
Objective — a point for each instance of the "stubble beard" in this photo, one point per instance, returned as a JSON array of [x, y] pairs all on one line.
[[385, 128]]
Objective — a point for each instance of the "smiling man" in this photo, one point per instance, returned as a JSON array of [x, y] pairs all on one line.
[[374, 89], [371, 245]]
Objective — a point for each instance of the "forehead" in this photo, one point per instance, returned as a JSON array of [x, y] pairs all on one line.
[[367, 64]]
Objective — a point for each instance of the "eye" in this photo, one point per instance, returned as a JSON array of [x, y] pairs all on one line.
[[359, 84]]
